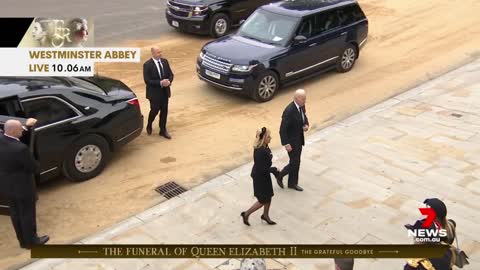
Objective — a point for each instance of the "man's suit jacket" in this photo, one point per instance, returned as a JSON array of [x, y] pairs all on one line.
[[291, 128], [155, 92], [17, 169]]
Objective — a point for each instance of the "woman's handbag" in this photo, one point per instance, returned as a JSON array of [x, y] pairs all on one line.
[[459, 256]]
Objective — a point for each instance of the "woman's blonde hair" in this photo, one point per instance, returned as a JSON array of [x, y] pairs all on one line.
[[260, 137]]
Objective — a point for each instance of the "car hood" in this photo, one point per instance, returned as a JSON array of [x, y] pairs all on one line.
[[240, 50]]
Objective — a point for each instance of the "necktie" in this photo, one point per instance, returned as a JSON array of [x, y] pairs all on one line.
[[160, 68], [301, 113]]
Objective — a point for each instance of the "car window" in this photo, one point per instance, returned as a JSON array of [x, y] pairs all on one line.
[[306, 28], [269, 27], [327, 21], [350, 14], [47, 110], [11, 107]]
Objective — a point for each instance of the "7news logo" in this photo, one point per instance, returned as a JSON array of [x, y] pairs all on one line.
[[428, 233]]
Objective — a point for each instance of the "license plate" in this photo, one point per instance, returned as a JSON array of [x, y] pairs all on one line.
[[175, 24], [212, 74]]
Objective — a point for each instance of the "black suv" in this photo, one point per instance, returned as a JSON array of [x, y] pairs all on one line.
[[283, 43], [80, 121], [214, 17]]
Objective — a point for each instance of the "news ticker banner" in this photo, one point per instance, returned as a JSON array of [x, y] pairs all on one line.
[[238, 251], [54, 47]]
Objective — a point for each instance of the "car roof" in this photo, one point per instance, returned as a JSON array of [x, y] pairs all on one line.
[[32, 86], [302, 8]]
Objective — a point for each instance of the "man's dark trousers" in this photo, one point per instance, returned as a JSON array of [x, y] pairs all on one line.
[[156, 106], [293, 166], [23, 215]]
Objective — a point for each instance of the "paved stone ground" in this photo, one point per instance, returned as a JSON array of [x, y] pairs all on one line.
[[364, 178]]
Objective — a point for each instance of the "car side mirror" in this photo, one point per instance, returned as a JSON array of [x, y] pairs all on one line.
[[299, 39]]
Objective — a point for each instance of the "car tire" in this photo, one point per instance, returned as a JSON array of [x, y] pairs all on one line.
[[347, 59], [266, 87], [219, 25], [96, 152]]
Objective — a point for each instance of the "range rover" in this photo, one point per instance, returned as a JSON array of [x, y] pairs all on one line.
[[213, 17], [285, 42]]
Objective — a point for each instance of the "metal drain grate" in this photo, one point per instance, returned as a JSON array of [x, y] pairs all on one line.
[[456, 115], [170, 190]]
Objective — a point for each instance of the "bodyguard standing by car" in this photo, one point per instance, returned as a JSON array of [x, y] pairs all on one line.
[[294, 124], [158, 77], [17, 170]]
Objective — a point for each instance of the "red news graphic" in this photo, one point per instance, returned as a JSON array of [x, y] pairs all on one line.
[[431, 215]]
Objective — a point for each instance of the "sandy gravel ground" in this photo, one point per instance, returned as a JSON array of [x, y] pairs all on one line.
[[409, 42]]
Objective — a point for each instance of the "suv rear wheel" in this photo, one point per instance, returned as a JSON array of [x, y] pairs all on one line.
[[347, 59], [86, 158], [267, 85], [220, 25]]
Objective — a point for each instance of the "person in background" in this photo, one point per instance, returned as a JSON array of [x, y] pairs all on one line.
[[262, 182], [17, 183], [447, 261], [158, 77], [294, 124]]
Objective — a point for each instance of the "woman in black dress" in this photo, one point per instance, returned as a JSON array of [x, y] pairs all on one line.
[[262, 182]]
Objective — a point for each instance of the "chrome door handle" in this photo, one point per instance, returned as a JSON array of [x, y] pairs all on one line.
[[313, 44], [343, 34]]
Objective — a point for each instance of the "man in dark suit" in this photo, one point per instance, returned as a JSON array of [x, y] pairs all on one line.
[[158, 77], [17, 184], [294, 124]]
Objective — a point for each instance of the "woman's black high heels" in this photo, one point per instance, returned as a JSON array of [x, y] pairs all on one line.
[[269, 222], [245, 219]]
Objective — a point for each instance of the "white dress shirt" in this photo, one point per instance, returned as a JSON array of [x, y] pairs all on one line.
[[159, 70], [301, 112]]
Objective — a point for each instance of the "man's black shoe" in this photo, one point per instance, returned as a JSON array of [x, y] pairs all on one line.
[[297, 188], [165, 134], [41, 240], [149, 130], [36, 242]]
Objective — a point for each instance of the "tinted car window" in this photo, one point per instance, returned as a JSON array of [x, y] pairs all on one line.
[[350, 14], [11, 107], [47, 110], [307, 28], [327, 21]]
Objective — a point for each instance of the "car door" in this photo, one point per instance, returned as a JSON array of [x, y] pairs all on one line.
[[331, 37], [302, 56], [54, 132]]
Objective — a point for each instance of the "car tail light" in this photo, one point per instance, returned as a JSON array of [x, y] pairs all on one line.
[[134, 102]]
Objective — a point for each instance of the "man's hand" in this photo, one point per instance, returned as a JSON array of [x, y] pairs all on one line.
[[31, 122], [305, 128], [165, 83], [288, 147]]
